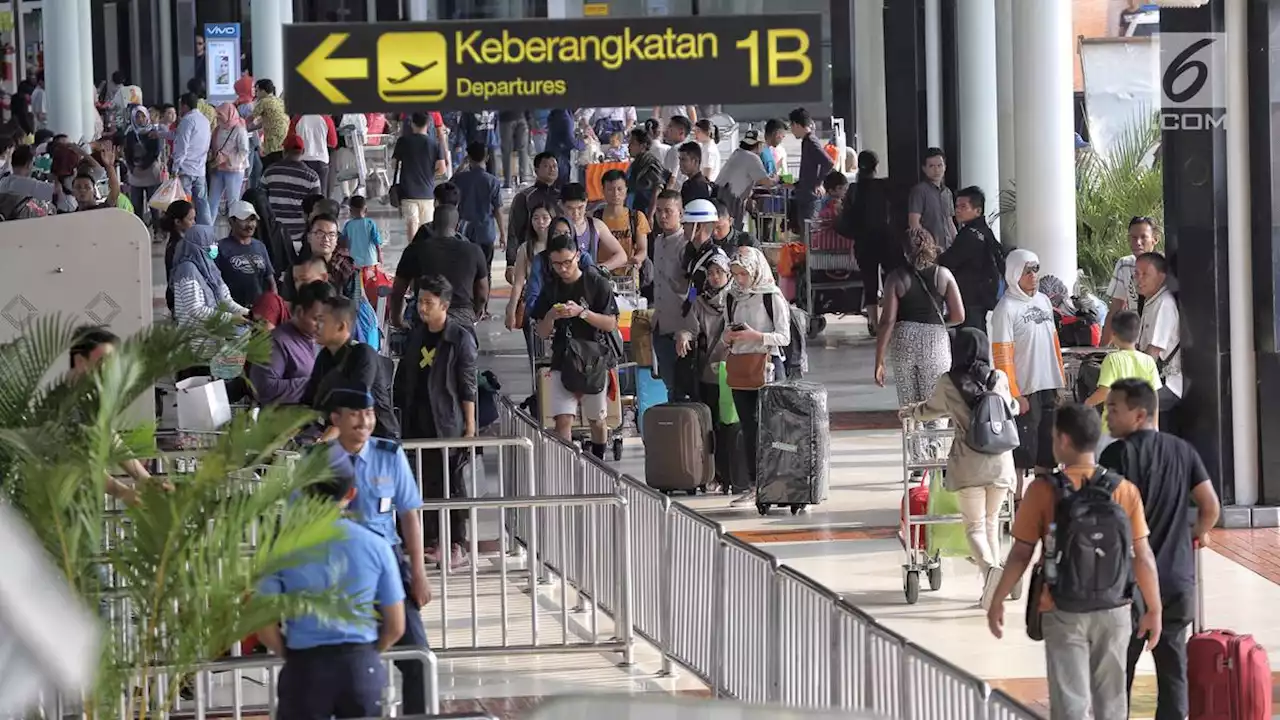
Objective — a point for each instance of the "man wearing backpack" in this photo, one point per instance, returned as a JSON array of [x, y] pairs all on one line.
[[1095, 532], [576, 310], [975, 258], [1166, 470]]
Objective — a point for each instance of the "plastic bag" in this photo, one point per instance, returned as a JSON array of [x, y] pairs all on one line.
[[728, 411], [170, 191], [947, 540], [344, 164]]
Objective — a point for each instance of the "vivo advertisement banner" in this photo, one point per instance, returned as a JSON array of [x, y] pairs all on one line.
[[221, 61]]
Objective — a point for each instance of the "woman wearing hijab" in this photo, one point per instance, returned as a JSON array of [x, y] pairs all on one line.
[[142, 158], [228, 157], [981, 482], [920, 301], [198, 290], [752, 328], [1025, 346], [244, 105]]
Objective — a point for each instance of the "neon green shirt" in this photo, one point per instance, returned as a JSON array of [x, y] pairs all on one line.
[[1123, 365]]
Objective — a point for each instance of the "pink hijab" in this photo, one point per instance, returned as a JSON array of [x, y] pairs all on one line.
[[244, 89], [229, 116]]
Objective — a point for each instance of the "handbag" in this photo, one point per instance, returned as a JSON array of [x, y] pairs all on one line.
[[393, 191], [1035, 618], [216, 161], [746, 371]]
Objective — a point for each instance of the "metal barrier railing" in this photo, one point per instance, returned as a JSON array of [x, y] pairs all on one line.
[[774, 635]]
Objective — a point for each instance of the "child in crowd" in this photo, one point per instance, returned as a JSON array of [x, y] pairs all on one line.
[[824, 235], [615, 151], [364, 240], [1125, 363]]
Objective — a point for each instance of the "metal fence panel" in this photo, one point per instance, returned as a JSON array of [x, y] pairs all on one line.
[[693, 546], [937, 690], [748, 652], [803, 647]]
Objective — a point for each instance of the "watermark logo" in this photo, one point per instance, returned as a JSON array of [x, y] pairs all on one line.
[[1192, 87]]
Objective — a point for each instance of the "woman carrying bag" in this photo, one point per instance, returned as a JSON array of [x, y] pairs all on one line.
[[758, 329], [979, 481]]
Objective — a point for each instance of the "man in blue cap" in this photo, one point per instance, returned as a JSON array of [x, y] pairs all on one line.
[[332, 669], [385, 492]]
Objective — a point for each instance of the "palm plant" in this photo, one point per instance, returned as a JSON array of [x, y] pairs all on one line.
[[1111, 189], [174, 575]]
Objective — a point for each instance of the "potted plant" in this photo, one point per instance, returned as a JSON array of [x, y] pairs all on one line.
[[174, 575]]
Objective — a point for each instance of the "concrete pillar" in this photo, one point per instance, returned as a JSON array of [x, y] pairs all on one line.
[[418, 10], [64, 96], [88, 91], [933, 71], [979, 102], [1004, 105], [869, 79], [20, 42], [268, 42], [164, 17], [1045, 162]]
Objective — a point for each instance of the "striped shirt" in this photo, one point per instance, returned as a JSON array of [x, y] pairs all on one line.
[[288, 183]]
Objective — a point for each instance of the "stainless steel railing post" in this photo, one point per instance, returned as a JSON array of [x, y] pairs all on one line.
[[624, 620]]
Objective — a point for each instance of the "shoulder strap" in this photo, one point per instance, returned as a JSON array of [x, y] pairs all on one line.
[[931, 291], [729, 302], [1105, 479], [631, 218], [768, 310]]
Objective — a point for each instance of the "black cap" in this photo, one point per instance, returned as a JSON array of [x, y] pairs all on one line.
[[348, 396]]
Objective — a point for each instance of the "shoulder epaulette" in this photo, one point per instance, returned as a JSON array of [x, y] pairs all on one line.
[[385, 445]]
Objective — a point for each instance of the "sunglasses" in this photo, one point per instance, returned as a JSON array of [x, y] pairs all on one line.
[[1031, 268]]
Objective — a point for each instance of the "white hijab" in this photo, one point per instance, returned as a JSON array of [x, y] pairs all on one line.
[[1014, 264]]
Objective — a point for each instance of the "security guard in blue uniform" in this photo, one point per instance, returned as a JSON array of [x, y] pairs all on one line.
[[385, 492], [331, 669]]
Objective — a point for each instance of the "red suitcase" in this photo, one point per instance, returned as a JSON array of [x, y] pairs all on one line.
[[1228, 675]]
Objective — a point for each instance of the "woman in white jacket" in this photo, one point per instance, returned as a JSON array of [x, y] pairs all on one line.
[[758, 323]]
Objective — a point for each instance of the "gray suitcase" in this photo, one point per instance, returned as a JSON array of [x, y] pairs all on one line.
[[679, 447], [793, 456]]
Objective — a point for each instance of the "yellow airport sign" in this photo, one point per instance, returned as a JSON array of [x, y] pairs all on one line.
[[520, 65]]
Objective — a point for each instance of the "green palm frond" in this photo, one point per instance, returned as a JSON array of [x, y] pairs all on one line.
[[184, 565], [1111, 189]]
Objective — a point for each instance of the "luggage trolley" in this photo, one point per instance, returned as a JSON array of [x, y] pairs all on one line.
[[768, 208], [925, 450], [830, 282]]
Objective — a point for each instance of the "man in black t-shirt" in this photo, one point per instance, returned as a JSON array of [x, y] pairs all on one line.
[[444, 253], [574, 306], [1166, 470], [415, 162]]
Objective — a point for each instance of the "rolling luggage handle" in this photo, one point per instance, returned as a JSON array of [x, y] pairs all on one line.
[[1197, 620]]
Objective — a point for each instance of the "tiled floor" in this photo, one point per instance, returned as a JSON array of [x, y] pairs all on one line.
[[848, 543]]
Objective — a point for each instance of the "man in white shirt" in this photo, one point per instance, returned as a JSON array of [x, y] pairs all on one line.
[[316, 132], [677, 133], [1161, 333], [741, 173], [191, 154], [1123, 291]]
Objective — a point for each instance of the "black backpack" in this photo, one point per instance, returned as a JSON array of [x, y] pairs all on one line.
[[992, 428], [584, 366], [1090, 564]]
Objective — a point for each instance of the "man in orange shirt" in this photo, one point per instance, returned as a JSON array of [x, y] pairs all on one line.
[[1092, 555]]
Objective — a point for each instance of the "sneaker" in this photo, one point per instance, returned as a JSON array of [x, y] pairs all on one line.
[[431, 555], [744, 498], [989, 586]]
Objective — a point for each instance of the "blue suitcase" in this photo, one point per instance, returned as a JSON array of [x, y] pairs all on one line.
[[650, 391]]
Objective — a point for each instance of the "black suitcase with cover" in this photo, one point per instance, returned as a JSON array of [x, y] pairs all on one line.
[[793, 456]]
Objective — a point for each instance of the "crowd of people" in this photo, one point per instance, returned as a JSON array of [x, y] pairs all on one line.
[[956, 316]]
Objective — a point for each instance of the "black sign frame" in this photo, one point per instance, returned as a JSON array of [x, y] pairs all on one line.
[[593, 62]]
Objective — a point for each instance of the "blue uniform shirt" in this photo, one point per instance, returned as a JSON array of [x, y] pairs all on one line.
[[384, 484], [362, 565]]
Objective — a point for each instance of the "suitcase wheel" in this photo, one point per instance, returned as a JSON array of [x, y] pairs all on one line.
[[797, 509], [817, 324], [935, 578], [617, 449], [911, 586], [762, 509]]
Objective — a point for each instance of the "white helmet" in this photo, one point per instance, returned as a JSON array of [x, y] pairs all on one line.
[[700, 211]]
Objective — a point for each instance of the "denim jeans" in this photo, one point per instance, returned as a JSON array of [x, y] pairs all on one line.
[[141, 199], [195, 185], [224, 185], [664, 349]]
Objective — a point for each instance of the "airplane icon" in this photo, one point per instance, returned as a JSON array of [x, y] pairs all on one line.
[[413, 67], [413, 71]]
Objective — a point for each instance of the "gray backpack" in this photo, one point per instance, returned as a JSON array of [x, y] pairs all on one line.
[[992, 429]]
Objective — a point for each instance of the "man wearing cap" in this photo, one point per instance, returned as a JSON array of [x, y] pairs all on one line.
[[332, 668], [243, 259], [385, 493], [288, 182], [741, 173]]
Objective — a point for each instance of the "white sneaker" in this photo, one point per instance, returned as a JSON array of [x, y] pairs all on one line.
[[744, 498], [989, 586]]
